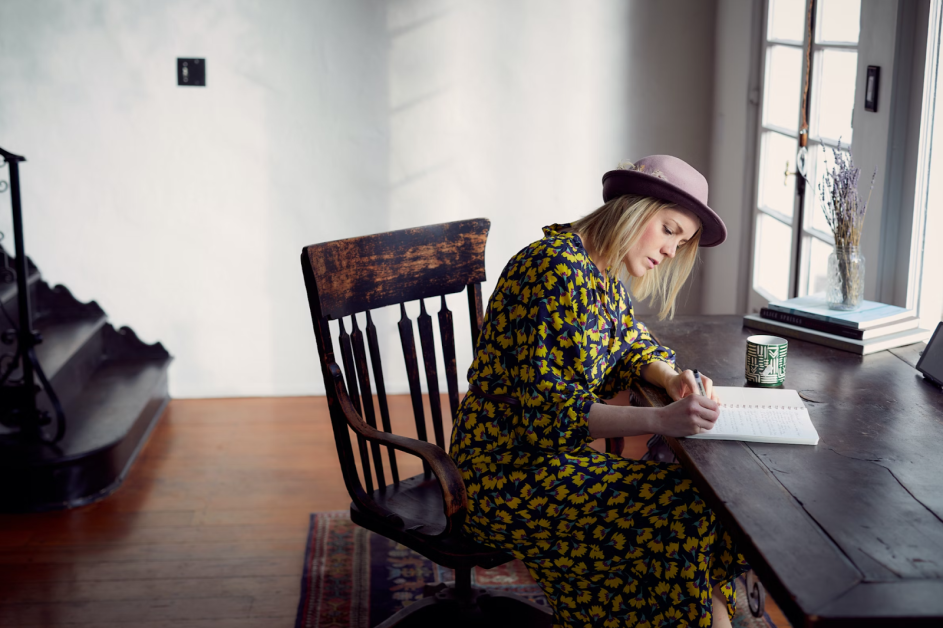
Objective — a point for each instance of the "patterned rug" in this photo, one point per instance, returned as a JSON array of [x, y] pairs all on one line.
[[356, 579]]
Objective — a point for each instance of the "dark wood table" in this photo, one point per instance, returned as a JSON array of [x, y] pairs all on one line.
[[846, 533]]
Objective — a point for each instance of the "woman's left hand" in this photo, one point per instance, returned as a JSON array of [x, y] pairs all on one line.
[[682, 384]]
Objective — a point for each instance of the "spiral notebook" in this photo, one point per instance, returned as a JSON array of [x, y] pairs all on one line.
[[762, 415]]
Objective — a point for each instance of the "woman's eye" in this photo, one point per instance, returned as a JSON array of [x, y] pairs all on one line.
[[667, 230]]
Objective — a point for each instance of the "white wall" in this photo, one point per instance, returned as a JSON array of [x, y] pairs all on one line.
[[182, 211], [877, 45], [514, 110], [901, 218], [726, 268]]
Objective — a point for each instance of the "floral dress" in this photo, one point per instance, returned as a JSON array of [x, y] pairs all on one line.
[[611, 541]]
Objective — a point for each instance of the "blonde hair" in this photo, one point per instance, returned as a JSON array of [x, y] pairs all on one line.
[[614, 228]]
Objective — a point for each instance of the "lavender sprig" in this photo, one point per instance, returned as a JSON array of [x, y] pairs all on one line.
[[841, 204]]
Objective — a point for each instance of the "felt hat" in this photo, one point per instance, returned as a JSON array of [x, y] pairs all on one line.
[[669, 179]]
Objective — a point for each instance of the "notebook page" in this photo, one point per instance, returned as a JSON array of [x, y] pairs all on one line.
[[731, 395], [770, 416]]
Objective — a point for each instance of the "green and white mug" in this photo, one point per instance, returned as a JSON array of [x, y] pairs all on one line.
[[766, 360]]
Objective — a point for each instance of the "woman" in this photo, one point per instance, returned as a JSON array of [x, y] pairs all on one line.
[[612, 541]]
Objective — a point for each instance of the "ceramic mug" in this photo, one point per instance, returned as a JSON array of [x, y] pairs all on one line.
[[766, 360]]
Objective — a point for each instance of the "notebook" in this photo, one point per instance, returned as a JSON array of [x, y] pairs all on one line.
[[762, 415]]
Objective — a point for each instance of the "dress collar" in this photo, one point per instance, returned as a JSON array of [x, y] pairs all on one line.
[[559, 231]]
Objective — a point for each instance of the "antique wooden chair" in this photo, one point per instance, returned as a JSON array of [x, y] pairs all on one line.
[[346, 278]]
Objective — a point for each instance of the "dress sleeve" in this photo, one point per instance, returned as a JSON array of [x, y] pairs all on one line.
[[547, 364], [641, 351]]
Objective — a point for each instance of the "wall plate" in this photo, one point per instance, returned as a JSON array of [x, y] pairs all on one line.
[[871, 88], [191, 72]]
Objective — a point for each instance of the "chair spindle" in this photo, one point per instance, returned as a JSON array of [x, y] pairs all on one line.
[[377, 364], [363, 378], [475, 312], [348, 360], [412, 370], [447, 331], [427, 340]]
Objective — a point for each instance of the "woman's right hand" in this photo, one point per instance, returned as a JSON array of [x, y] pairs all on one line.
[[691, 415]]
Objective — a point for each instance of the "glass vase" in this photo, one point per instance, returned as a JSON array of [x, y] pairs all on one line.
[[845, 278]]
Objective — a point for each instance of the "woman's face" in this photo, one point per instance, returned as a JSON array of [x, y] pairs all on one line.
[[664, 233]]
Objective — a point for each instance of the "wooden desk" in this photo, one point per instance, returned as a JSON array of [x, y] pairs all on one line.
[[846, 533]]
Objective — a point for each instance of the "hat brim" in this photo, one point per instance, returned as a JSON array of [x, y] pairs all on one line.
[[616, 183]]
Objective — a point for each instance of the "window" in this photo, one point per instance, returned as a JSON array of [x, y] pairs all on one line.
[[813, 90], [928, 223]]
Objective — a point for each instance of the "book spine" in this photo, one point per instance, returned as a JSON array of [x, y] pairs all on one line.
[[812, 323], [811, 315]]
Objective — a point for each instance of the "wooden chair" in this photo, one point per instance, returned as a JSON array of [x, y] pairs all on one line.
[[425, 512]]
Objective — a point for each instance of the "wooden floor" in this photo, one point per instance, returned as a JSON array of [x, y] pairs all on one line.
[[207, 531]]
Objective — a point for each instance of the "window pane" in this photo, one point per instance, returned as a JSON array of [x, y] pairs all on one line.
[[838, 21], [821, 160], [771, 256], [783, 87], [777, 150], [818, 264], [835, 94], [787, 19]]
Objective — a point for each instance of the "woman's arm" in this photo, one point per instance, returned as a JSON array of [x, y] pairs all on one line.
[[658, 373], [692, 415], [678, 385], [607, 421]]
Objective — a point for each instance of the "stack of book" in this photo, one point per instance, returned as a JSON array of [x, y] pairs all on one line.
[[872, 327]]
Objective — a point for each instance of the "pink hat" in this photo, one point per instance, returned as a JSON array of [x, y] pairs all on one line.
[[669, 179]]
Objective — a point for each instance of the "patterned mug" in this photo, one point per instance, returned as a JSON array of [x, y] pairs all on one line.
[[766, 360]]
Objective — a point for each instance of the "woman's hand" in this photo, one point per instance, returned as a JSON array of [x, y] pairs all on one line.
[[691, 415], [682, 384]]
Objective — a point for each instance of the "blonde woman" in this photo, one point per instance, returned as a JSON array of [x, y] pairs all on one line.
[[612, 541]]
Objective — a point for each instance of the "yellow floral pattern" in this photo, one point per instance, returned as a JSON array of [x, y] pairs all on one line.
[[612, 541]]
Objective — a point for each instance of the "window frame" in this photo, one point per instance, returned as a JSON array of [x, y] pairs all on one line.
[[925, 289], [889, 242], [761, 129], [801, 231]]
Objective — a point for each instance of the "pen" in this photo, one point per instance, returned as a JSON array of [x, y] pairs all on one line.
[[700, 384]]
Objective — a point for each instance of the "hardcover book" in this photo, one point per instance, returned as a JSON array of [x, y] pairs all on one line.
[[870, 314], [840, 330], [861, 347]]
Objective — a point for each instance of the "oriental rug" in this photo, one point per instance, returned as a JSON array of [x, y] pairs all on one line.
[[354, 578]]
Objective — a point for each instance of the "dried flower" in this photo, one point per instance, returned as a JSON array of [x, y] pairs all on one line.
[[840, 201], [628, 165]]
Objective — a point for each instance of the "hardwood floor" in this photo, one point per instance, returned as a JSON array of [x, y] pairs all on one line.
[[207, 531]]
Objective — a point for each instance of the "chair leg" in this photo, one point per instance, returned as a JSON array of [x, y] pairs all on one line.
[[515, 611], [460, 605], [425, 612], [756, 594], [463, 587]]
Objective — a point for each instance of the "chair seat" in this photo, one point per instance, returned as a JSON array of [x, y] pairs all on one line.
[[418, 502]]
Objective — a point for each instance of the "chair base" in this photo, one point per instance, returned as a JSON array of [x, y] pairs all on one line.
[[445, 605]]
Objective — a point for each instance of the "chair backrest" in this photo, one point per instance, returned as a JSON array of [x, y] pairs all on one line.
[[344, 278]]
